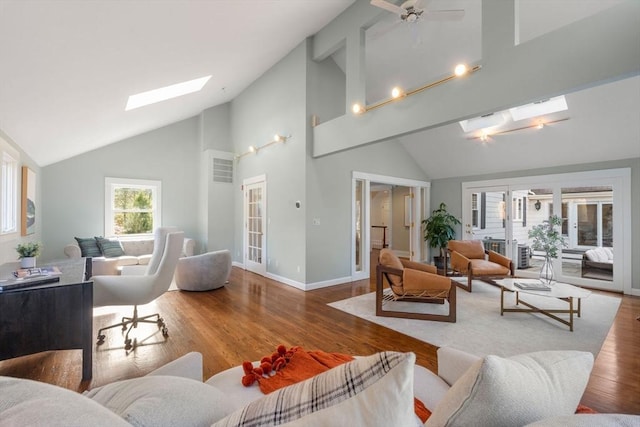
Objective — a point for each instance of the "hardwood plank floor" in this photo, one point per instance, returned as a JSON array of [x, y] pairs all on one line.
[[251, 315]]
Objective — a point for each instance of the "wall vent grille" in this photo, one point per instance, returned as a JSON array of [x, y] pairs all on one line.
[[222, 170]]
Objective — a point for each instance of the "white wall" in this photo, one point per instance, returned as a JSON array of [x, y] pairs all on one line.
[[10, 241]]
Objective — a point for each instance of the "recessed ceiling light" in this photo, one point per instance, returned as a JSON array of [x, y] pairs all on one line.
[[164, 93]]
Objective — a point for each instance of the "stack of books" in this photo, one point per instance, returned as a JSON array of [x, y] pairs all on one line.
[[25, 277], [532, 286]]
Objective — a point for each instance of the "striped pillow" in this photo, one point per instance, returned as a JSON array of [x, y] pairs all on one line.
[[371, 391], [88, 247], [110, 248]]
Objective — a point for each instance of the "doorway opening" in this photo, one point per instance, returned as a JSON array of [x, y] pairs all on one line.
[[387, 213]]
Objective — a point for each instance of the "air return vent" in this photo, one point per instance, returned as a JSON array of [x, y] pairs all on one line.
[[222, 170]]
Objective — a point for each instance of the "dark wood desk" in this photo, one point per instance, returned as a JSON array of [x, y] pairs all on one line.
[[52, 316]]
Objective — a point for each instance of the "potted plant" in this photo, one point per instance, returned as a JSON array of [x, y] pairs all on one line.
[[438, 230], [27, 252], [548, 239]]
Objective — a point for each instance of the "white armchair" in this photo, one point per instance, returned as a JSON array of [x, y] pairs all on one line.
[[138, 290]]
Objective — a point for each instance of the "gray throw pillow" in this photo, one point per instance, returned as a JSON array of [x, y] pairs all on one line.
[[88, 247], [109, 248]]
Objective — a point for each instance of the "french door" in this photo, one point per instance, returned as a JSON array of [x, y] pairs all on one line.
[[594, 209], [255, 230]]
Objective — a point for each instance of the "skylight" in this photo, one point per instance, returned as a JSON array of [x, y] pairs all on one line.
[[528, 111], [540, 108], [164, 93]]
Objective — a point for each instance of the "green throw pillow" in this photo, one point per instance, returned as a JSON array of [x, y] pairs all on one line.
[[88, 247], [109, 248]]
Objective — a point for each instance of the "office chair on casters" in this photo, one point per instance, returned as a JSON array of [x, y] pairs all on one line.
[[139, 290]]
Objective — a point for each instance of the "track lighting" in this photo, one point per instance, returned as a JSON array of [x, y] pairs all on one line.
[[397, 92], [484, 134], [254, 149]]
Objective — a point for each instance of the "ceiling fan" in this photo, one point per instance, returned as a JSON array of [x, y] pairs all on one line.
[[412, 10]]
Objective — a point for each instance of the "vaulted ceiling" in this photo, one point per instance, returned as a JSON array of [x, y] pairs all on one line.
[[68, 68]]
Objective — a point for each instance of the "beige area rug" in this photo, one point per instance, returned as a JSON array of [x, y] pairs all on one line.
[[481, 330]]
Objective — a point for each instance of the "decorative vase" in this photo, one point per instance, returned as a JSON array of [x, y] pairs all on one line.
[[546, 271], [28, 262]]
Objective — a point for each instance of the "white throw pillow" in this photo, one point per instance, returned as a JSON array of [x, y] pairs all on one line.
[[370, 391], [32, 403], [162, 401], [515, 391], [590, 420]]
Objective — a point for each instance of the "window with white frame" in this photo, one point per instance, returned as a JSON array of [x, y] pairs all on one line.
[[132, 206], [475, 210], [8, 189], [517, 208]]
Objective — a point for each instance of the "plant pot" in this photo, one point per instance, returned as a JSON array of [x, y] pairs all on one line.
[[28, 262], [438, 261]]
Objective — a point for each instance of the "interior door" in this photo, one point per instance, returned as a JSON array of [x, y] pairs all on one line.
[[255, 226]]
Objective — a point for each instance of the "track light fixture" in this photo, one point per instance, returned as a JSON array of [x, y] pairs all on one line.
[[398, 93], [254, 149], [485, 135]]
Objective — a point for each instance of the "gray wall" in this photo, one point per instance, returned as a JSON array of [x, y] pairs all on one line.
[[217, 200], [9, 242], [450, 191], [73, 190], [275, 103]]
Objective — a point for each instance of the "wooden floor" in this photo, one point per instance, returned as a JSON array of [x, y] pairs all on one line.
[[252, 315]]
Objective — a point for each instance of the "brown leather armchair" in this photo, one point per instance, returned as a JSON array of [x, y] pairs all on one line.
[[414, 282], [469, 257]]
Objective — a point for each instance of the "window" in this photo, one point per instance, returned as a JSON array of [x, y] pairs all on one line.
[[8, 189], [475, 210], [132, 206], [517, 209]]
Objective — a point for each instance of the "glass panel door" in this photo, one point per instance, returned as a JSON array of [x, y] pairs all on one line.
[[255, 228], [485, 218], [589, 225]]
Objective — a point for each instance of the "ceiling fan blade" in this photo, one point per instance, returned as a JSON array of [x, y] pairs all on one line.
[[388, 6], [443, 15]]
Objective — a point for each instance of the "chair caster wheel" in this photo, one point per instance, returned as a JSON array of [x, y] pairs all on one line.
[[160, 322], [127, 344], [165, 331], [101, 339]]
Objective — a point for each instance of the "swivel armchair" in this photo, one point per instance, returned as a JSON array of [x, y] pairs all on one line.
[[139, 290]]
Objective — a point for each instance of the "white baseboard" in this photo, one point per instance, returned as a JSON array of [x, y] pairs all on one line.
[[327, 283], [300, 285]]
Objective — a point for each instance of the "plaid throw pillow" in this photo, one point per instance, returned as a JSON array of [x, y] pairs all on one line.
[[88, 247], [110, 248], [370, 391]]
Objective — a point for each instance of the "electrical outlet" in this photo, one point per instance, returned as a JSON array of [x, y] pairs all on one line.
[[316, 221]]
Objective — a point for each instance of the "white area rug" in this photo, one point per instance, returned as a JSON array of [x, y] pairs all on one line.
[[481, 330]]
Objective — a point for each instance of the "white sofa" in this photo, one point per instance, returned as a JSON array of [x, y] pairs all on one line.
[[137, 252], [465, 386]]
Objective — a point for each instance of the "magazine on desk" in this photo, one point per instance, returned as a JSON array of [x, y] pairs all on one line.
[[532, 286], [25, 277]]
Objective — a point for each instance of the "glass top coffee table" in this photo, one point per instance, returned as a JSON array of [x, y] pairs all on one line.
[[562, 291]]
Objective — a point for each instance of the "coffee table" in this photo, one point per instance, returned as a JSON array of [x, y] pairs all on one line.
[[561, 291]]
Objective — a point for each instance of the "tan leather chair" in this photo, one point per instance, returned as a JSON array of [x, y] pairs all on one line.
[[415, 282], [469, 257]]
